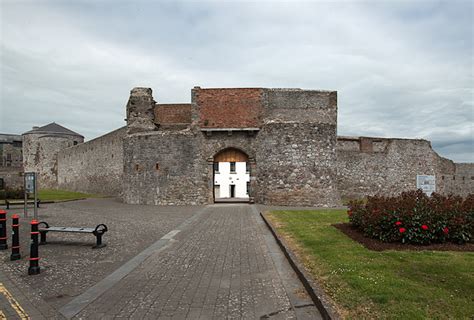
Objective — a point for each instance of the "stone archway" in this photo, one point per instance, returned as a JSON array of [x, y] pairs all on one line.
[[231, 171]]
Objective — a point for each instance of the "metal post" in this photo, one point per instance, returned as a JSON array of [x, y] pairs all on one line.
[[25, 203], [3, 230], [15, 238], [34, 256], [36, 198]]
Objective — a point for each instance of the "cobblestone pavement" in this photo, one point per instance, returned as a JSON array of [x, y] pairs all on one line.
[[219, 268], [68, 263], [219, 262]]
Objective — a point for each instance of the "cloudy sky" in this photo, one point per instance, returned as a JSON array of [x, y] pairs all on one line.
[[401, 68]]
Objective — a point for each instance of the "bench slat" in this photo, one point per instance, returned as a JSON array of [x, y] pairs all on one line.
[[68, 229]]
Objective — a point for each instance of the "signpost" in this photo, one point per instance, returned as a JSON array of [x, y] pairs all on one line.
[[31, 187], [426, 183]]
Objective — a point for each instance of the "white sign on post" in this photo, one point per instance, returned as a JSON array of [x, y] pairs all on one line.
[[426, 183], [31, 187], [30, 182]]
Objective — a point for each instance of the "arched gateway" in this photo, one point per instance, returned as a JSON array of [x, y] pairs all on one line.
[[286, 138], [231, 176]]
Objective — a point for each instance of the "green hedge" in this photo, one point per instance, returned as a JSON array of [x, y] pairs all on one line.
[[413, 217]]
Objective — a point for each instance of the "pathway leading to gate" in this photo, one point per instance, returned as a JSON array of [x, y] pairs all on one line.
[[221, 263]]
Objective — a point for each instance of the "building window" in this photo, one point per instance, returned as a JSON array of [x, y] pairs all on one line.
[[247, 167], [216, 167], [232, 167], [75, 142], [9, 157], [248, 188]]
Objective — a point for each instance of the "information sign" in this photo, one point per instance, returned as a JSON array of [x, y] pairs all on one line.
[[426, 183]]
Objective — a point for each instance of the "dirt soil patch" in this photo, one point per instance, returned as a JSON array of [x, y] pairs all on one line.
[[377, 245]]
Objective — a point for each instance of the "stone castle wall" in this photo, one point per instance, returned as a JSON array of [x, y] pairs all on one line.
[[12, 177], [460, 183], [165, 154], [291, 158], [40, 154], [369, 166], [95, 166], [297, 148]]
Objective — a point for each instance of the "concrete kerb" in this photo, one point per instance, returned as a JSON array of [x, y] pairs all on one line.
[[20, 203], [314, 289]]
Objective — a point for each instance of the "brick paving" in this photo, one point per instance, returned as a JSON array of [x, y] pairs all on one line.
[[217, 262], [219, 268]]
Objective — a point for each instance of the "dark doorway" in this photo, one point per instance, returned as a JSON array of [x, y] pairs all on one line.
[[232, 191]]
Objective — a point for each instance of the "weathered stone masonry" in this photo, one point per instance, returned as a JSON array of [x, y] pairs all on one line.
[[40, 151], [291, 156], [165, 154], [369, 166], [95, 166]]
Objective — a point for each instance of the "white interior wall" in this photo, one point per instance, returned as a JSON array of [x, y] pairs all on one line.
[[225, 178]]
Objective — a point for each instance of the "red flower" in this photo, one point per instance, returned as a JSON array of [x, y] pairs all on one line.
[[445, 230], [402, 230], [424, 227], [349, 212], [398, 223]]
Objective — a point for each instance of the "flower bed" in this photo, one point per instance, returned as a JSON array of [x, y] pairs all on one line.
[[413, 217]]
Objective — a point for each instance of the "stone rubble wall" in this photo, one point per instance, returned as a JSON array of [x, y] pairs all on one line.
[[369, 166], [291, 158], [164, 168], [95, 166], [40, 154], [16, 155], [461, 183], [140, 111], [12, 177], [297, 148]]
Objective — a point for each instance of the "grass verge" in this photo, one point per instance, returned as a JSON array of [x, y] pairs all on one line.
[[61, 195], [366, 284]]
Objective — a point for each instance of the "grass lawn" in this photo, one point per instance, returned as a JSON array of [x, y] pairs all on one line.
[[366, 284], [50, 194]]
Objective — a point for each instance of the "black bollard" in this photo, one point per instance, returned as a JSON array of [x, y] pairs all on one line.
[[34, 256], [15, 238], [3, 230]]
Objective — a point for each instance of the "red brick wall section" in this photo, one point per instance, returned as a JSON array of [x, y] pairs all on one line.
[[166, 114], [230, 108]]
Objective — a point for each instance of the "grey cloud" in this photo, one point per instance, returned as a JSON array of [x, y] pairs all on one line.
[[401, 69]]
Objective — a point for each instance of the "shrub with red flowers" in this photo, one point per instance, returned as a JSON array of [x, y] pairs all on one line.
[[413, 217]]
